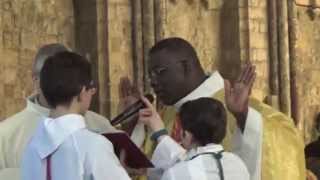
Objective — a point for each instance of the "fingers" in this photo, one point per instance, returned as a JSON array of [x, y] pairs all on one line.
[[242, 73], [145, 112], [125, 87], [147, 102], [122, 157], [135, 91], [251, 82], [146, 116], [249, 75], [141, 172], [136, 172], [245, 72]]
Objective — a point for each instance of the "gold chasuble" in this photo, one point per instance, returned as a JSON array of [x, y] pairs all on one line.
[[278, 154]]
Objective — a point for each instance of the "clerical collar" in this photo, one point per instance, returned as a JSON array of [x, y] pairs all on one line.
[[208, 88]]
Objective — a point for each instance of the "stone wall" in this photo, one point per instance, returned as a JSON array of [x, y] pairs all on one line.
[[215, 33], [120, 47], [308, 75], [195, 22], [25, 25], [258, 45]]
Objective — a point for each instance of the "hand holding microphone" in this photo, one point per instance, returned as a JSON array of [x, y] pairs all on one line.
[[131, 110], [150, 117]]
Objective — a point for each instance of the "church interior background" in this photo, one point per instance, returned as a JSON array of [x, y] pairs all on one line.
[[281, 37]]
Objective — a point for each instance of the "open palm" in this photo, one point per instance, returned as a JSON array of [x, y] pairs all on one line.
[[237, 93], [128, 95]]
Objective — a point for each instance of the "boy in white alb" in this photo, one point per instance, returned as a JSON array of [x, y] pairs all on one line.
[[62, 148], [201, 156]]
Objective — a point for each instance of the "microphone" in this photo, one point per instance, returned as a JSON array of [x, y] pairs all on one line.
[[131, 110]]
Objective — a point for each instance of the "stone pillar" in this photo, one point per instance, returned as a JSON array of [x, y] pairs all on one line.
[[284, 71], [137, 44], [273, 53], [258, 45], [148, 29], [159, 17], [292, 16], [244, 30], [103, 58]]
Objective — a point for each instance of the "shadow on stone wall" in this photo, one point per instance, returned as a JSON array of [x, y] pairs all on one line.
[[229, 62], [86, 42]]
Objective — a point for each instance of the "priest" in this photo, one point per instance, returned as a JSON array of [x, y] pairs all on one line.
[[264, 138]]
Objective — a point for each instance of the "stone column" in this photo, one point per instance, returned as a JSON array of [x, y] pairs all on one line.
[[284, 71], [273, 98], [103, 57], [292, 16], [148, 35], [137, 46]]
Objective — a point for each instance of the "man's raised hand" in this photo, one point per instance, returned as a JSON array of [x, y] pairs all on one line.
[[237, 94]]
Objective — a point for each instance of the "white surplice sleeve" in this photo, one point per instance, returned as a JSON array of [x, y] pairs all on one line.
[[248, 144], [165, 156], [168, 175]]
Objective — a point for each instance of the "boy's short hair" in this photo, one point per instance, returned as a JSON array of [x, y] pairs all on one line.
[[205, 119], [63, 76]]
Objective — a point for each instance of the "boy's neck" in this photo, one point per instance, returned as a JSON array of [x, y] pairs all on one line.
[[63, 110]]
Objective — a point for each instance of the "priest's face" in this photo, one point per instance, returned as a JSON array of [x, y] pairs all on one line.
[[167, 76]]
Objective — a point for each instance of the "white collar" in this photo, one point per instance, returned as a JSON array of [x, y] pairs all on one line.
[[53, 132], [209, 148], [207, 89], [33, 104]]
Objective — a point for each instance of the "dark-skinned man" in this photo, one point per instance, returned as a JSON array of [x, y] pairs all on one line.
[[265, 139]]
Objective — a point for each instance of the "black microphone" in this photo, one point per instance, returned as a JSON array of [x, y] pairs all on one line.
[[131, 110]]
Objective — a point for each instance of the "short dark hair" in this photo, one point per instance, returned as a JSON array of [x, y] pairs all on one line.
[[178, 46], [63, 76], [205, 119]]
